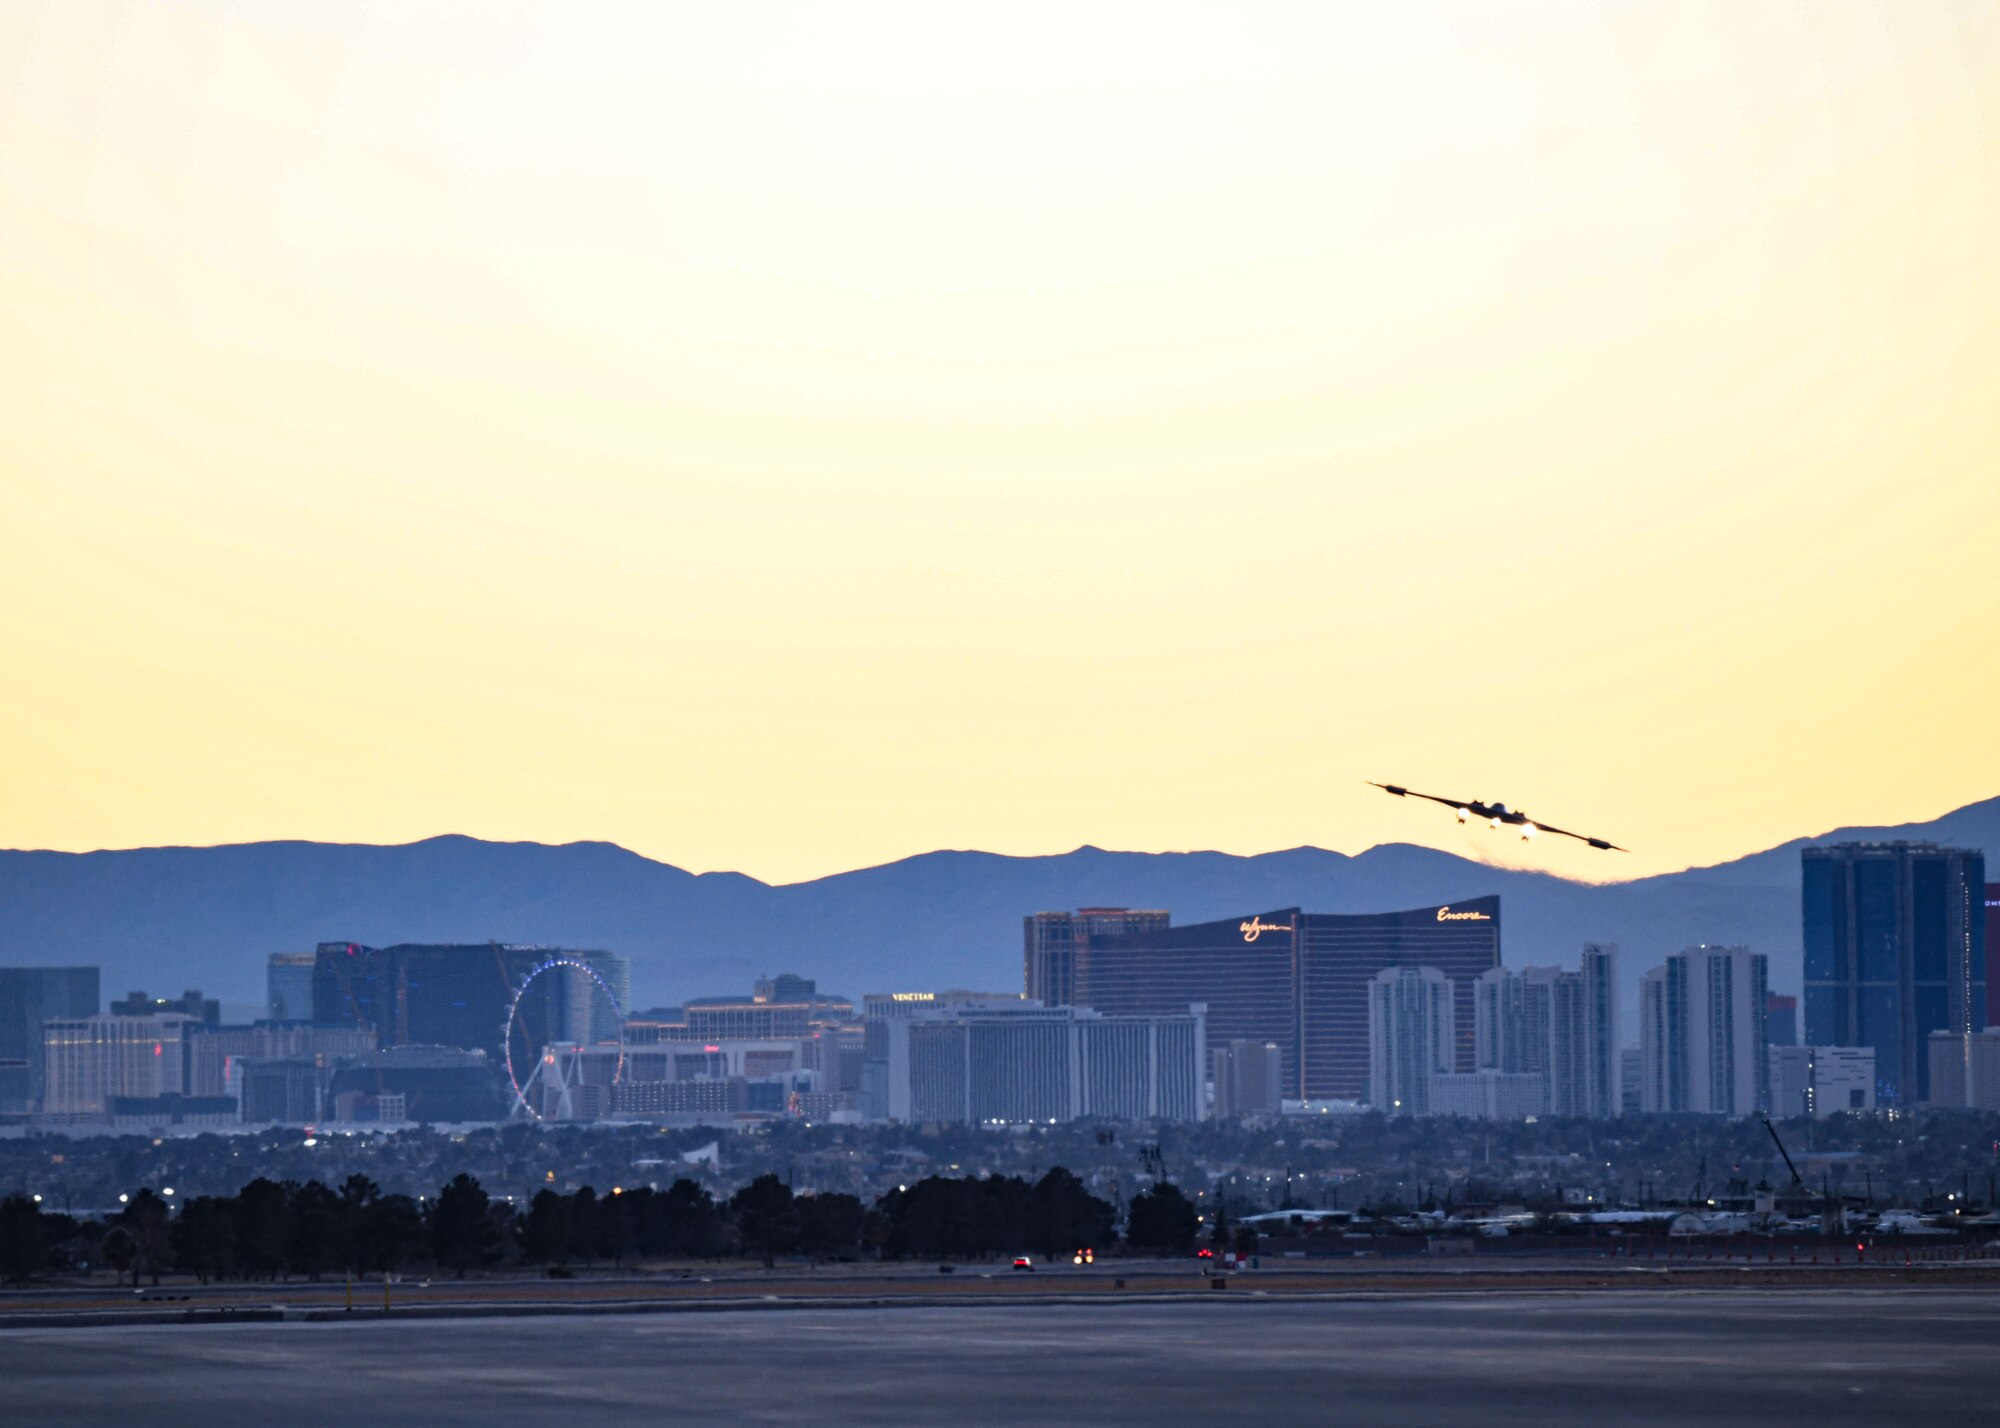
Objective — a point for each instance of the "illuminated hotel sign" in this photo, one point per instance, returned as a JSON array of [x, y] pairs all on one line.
[[1445, 914], [913, 996], [1257, 927]]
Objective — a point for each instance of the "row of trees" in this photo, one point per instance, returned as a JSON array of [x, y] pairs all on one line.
[[272, 1229]]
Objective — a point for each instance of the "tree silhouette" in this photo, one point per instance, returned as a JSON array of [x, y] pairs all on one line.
[[390, 1233], [545, 1230], [765, 1216], [23, 1245], [145, 1219], [120, 1251], [829, 1225], [462, 1232], [317, 1230], [204, 1237], [1161, 1218], [1063, 1216], [261, 1212]]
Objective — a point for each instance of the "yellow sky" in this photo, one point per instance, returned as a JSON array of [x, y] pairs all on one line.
[[790, 438]]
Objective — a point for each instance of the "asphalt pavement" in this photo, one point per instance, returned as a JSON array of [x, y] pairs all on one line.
[[1808, 1357]]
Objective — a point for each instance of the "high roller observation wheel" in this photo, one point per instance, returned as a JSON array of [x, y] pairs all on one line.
[[513, 1011]]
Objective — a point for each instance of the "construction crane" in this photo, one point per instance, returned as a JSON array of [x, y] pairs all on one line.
[[1797, 1184]]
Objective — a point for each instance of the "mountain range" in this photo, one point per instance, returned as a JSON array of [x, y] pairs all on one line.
[[165, 919]]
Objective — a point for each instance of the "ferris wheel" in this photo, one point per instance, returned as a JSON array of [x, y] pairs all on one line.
[[551, 1075]]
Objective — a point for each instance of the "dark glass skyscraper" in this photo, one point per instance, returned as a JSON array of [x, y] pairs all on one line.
[[1992, 941], [1895, 949], [1297, 980], [1051, 940], [457, 995], [30, 996]]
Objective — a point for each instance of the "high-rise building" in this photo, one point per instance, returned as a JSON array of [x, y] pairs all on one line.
[[90, 1060], [459, 995], [417, 1083], [1603, 1090], [1249, 1079], [1500, 1022], [216, 1055], [1412, 1037], [1895, 949], [880, 1009], [1556, 1004], [1630, 1079], [1965, 1069], [1557, 1025], [282, 1092], [1821, 1081], [1781, 1020], [190, 1004], [1030, 1064], [1294, 979], [1701, 1033], [1992, 946], [1489, 1095], [29, 997], [1053, 938], [596, 1006], [288, 986]]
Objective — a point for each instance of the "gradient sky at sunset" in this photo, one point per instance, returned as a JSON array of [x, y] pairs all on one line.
[[788, 438]]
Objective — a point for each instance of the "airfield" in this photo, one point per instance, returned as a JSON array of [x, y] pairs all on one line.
[[1850, 1351]]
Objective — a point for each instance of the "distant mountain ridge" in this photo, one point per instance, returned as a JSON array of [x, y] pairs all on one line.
[[165, 919]]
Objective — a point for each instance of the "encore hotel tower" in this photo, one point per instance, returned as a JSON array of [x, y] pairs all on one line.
[[1299, 979]]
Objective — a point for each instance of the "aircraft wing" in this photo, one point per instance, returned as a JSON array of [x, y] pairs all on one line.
[[1581, 838], [1412, 793]]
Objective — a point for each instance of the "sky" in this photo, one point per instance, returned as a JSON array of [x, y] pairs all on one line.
[[789, 438]]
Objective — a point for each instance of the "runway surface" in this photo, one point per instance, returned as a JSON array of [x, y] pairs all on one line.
[[1805, 1357]]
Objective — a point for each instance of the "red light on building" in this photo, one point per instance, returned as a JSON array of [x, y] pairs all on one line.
[[156, 1049]]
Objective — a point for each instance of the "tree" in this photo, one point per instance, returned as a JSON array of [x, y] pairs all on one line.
[[390, 1233], [357, 1194], [462, 1232], [260, 1212], [829, 1225], [689, 1222], [145, 1219], [1162, 1218], [545, 1230], [120, 1251], [1218, 1232], [1063, 1216], [613, 1233], [583, 1224], [316, 1230], [765, 1216], [22, 1242], [204, 1237]]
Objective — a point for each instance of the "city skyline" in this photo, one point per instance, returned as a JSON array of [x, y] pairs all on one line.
[[789, 442]]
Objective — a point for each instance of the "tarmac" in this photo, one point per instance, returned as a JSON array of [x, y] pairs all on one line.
[[1853, 1354]]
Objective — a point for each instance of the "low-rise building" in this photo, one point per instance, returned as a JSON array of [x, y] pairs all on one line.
[[1030, 1064], [1965, 1069], [1489, 1095], [1821, 1081], [89, 1060]]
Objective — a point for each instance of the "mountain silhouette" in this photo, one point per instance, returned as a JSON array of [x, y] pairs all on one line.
[[165, 919]]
